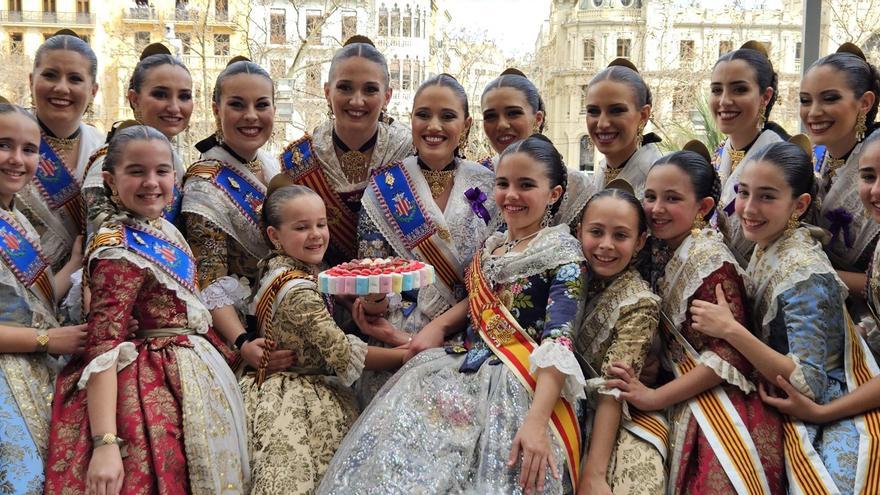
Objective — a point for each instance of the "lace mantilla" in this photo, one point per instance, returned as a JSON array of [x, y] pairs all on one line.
[[634, 172], [123, 355], [226, 291], [551, 353], [552, 247]]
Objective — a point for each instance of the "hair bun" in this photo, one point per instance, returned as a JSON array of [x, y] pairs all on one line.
[[852, 49], [699, 148], [4, 100], [277, 182], [623, 62], [446, 74], [803, 142], [359, 38], [155, 49], [512, 71], [757, 46], [621, 185], [66, 31], [237, 58]]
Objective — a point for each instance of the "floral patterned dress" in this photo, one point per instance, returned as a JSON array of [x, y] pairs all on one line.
[[445, 423], [297, 418]]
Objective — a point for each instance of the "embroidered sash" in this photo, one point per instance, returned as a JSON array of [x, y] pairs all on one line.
[[513, 346], [25, 259], [265, 308], [299, 162], [406, 214], [722, 425], [58, 186], [819, 152], [245, 195], [488, 162]]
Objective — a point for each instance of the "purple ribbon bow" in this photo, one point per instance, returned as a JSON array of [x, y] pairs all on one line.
[[731, 207], [476, 199], [840, 222]]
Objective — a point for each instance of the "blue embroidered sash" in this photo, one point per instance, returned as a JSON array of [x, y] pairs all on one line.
[[173, 209], [819, 152], [170, 257], [245, 195], [58, 186], [25, 259]]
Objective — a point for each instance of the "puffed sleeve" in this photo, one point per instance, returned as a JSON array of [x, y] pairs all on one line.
[[209, 246], [556, 348], [635, 329], [303, 311], [115, 284]]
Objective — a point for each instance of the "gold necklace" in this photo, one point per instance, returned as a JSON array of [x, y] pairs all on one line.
[[833, 165], [254, 166], [736, 156], [437, 180], [62, 145], [611, 174], [354, 165]]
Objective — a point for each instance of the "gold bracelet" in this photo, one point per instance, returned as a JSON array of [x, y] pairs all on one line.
[[42, 340]]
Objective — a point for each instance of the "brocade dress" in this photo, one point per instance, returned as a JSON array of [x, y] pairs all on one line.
[[445, 422]]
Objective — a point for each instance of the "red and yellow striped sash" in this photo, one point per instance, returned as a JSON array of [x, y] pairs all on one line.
[[859, 371], [263, 313]]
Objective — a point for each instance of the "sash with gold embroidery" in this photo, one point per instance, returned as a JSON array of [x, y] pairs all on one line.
[[265, 308], [58, 186], [487, 162], [300, 163], [244, 194], [722, 425], [513, 346], [25, 259], [406, 214]]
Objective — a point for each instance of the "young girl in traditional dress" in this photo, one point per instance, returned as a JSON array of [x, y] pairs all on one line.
[[298, 417], [494, 416], [743, 91], [337, 158], [799, 301], [618, 324], [714, 385], [63, 84], [513, 110], [29, 326], [223, 193], [618, 108], [157, 410]]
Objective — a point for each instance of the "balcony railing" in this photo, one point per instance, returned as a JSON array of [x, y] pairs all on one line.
[[39, 17], [140, 13]]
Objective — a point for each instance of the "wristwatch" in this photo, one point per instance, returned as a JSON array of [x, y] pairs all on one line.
[[42, 340], [106, 439]]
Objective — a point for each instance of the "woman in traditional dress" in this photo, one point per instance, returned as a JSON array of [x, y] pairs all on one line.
[[157, 410], [63, 84], [482, 418], [839, 96], [223, 193], [337, 158], [514, 110], [298, 417], [743, 91], [619, 321], [714, 386], [618, 108], [28, 321], [799, 301], [434, 207], [160, 95]]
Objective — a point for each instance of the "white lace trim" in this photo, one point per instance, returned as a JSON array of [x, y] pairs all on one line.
[[226, 291], [551, 247], [798, 380], [356, 359], [726, 371], [123, 355], [578, 191], [551, 353], [597, 385], [74, 299], [871, 332]]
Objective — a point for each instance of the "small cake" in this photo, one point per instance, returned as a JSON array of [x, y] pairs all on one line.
[[375, 276]]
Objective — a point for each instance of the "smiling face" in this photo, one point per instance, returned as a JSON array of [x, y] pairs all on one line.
[[508, 117], [764, 203], [869, 179], [671, 203], [735, 98], [613, 119], [246, 112], [303, 232], [144, 177], [19, 153], [438, 122], [165, 99], [62, 87], [522, 191], [829, 108], [609, 235], [356, 93]]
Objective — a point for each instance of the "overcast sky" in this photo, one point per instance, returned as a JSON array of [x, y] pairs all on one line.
[[514, 24]]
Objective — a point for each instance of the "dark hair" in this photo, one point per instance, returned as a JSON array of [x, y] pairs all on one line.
[[524, 86], [765, 77], [704, 178], [148, 63], [613, 192], [362, 50], [241, 66], [795, 163], [860, 76], [6, 107], [276, 199], [72, 43], [452, 83], [541, 149], [122, 137], [626, 75]]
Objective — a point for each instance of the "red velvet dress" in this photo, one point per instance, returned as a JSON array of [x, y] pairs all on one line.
[[149, 413]]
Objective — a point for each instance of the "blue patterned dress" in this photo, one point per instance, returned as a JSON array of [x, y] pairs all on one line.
[[445, 423]]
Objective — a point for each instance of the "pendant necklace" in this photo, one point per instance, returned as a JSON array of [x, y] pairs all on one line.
[[354, 162], [437, 179], [61, 145]]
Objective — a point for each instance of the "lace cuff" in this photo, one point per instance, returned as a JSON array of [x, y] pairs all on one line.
[[597, 385], [552, 353], [798, 380], [123, 354], [226, 291], [726, 371], [871, 333], [74, 299], [356, 359]]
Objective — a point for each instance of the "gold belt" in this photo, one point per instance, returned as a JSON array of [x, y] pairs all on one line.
[[156, 333]]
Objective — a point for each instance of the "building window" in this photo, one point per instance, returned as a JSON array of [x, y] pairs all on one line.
[[277, 26], [724, 46], [624, 46], [395, 73], [277, 68], [686, 52], [407, 22], [383, 21], [15, 5], [798, 55], [82, 7], [16, 43], [49, 6], [349, 25], [583, 104], [395, 21], [417, 25], [313, 79], [407, 74], [313, 24], [221, 45], [589, 52], [586, 153], [221, 10], [141, 40], [417, 72]]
